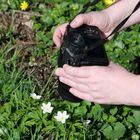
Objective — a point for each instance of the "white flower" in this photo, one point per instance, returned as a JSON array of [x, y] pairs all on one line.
[[34, 96], [46, 107], [61, 116], [88, 122]]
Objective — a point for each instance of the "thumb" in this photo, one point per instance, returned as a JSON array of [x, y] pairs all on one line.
[[80, 20]]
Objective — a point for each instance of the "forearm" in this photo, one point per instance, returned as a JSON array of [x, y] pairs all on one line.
[[120, 10]]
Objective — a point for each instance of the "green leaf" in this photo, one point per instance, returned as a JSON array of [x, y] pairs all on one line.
[[96, 112], [30, 123], [47, 19], [86, 103], [116, 132], [48, 129], [105, 116], [114, 111], [37, 26], [78, 125], [136, 115], [80, 111], [111, 119]]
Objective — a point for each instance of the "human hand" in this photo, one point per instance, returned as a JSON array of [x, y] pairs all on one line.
[[106, 20], [99, 19], [100, 84]]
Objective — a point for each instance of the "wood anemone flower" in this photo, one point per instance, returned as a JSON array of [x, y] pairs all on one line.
[[35, 96], [61, 116], [46, 108]]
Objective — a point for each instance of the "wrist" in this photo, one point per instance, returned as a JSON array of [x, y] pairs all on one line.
[[120, 10]]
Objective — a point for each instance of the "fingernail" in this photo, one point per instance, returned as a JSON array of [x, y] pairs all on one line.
[[72, 24], [58, 45], [61, 79]]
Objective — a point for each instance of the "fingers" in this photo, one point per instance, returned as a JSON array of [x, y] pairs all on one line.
[[60, 30], [58, 34], [80, 72], [80, 20], [80, 94], [61, 73], [73, 84], [89, 97]]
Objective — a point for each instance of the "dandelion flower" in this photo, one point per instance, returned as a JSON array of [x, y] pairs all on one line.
[[35, 96], [24, 6], [47, 108], [109, 2], [61, 116]]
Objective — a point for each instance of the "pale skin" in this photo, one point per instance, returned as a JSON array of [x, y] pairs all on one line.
[[105, 85]]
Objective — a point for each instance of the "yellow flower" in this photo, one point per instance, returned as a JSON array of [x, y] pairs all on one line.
[[109, 2], [24, 6]]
